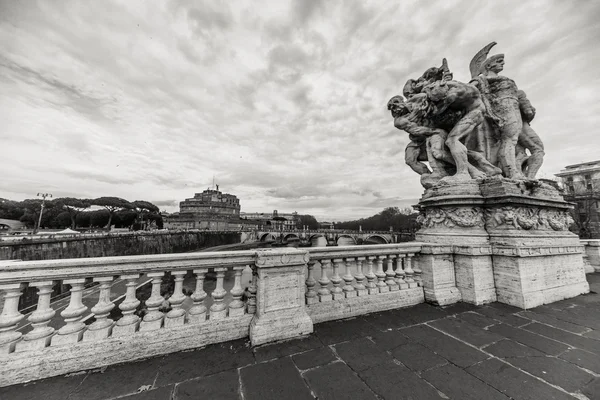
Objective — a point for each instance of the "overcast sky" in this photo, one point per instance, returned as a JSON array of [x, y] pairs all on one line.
[[283, 102]]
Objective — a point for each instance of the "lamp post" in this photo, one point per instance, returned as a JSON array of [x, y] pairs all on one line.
[[43, 196]]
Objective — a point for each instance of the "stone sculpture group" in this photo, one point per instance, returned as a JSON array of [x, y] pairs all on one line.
[[468, 130]]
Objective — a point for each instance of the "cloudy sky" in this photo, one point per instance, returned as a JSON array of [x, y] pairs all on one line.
[[283, 102]]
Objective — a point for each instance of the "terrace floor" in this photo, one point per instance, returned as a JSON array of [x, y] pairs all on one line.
[[422, 352]]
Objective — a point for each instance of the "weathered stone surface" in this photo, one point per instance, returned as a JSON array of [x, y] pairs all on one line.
[[222, 386], [458, 384], [507, 348], [514, 383], [477, 319], [582, 358], [314, 358], [390, 339], [340, 331], [286, 348], [538, 342], [465, 331], [550, 320], [501, 315], [361, 354], [578, 341], [417, 357], [278, 379], [337, 381], [162, 393]]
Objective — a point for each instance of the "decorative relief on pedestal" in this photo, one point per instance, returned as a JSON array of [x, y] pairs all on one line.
[[464, 217], [527, 218]]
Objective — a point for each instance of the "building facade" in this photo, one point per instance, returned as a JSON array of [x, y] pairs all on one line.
[[581, 186], [209, 210], [274, 220]]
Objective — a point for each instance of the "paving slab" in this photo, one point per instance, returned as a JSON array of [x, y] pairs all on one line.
[[593, 334], [314, 358], [583, 359], [397, 382], [575, 314], [451, 349], [222, 386], [464, 331], [337, 381], [456, 383], [507, 348], [458, 308], [572, 339], [502, 316], [555, 322], [592, 389], [276, 380], [361, 354], [161, 393], [56, 388], [477, 319], [390, 339], [289, 347], [530, 339], [182, 366], [417, 357], [515, 383], [340, 331]]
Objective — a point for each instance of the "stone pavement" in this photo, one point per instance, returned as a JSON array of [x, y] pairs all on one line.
[[423, 352]]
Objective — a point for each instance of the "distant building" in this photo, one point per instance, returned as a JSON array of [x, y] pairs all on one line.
[[581, 185], [209, 210], [274, 220], [326, 225]]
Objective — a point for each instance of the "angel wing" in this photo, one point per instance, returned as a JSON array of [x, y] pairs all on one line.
[[479, 58]]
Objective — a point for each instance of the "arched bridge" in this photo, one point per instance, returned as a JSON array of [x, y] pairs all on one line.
[[334, 237], [11, 224]]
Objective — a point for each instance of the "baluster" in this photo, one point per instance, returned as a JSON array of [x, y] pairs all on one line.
[[371, 286], [336, 290], [311, 293], [41, 334], [349, 290], [153, 319], [416, 271], [129, 322], [218, 309], [10, 317], [361, 290], [72, 331], [252, 291], [390, 274], [236, 307], [197, 313], [408, 271], [324, 293], [176, 317], [381, 285], [400, 272], [102, 327]]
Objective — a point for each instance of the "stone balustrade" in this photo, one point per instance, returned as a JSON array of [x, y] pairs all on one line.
[[591, 248]]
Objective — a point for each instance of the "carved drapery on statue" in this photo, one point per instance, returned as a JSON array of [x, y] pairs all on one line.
[[469, 130]]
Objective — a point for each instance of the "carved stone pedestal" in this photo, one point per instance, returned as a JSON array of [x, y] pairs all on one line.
[[508, 241]]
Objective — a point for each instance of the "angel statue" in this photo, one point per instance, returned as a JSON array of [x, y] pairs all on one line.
[[511, 112]]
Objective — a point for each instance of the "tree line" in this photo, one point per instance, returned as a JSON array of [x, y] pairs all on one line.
[[64, 212], [400, 220]]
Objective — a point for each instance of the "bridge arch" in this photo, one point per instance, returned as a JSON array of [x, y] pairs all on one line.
[[291, 236], [377, 239], [340, 240], [268, 236]]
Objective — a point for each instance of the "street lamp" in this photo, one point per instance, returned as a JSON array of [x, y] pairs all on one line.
[[43, 196]]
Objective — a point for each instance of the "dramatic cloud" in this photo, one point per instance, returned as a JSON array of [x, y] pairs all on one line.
[[282, 102]]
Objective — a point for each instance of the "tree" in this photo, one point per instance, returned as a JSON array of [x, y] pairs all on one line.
[[307, 220], [112, 205], [73, 206], [144, 209]]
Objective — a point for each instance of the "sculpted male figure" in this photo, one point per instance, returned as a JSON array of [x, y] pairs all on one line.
[[507, 106]]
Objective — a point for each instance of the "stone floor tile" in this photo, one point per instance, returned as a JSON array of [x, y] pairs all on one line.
[[504, 308], [514, 383], [593, 334], [465, 331], [508, 348], [118, 380], [391, 319], [530, 339], [479, 320], [314, 358], [592, 389], [579, 315], [179, 367], [424, 312], [458, 308], [502, 316], [56, 388], [417, 357], [582, 358], [572, 339], [393, 381], [337, 381], [361, 354], [222, 386], [161, 393], [555, 371], [447, 347], [276, 380], [340, 331], [456, 383], [550, 320], [289, 347], [390, 339]]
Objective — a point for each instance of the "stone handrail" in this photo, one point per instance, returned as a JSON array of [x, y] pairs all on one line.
[[278, 303]]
